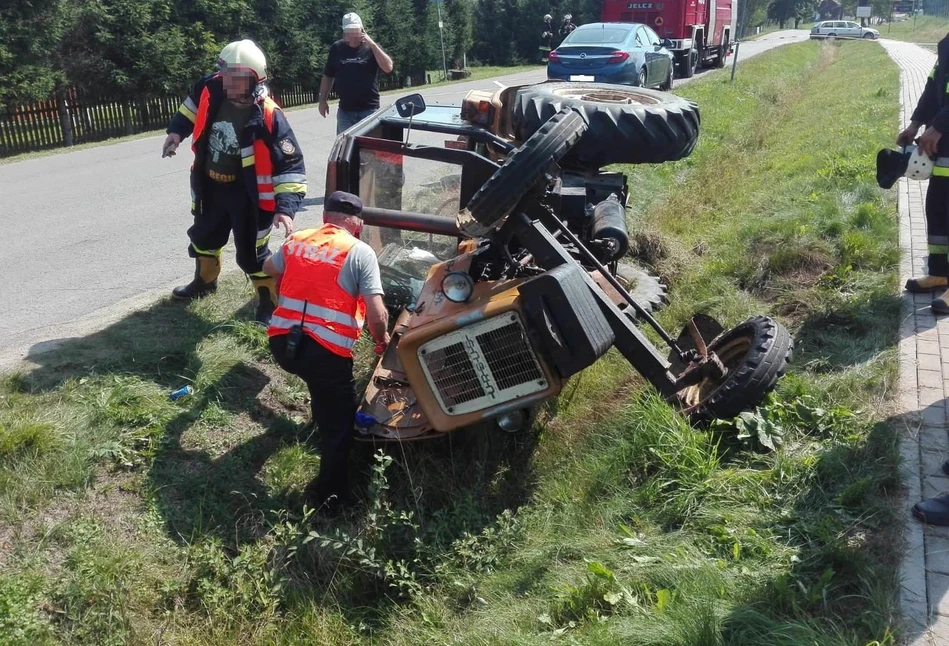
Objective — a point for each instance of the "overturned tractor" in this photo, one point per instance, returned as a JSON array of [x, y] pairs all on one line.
[[504, 258]]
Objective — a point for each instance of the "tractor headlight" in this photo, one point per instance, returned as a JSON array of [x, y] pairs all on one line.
[[458, 286], [514, 421]]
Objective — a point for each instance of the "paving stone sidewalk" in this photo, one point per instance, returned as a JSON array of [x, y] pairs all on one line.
[[924, 370]]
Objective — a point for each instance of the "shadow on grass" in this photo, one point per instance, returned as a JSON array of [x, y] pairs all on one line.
[[463, 481], [845, 529], [158, 344], [832, 341], [457, 484], [197, 495]]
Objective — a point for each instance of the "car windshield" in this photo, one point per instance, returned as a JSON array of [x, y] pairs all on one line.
[[603, 36]]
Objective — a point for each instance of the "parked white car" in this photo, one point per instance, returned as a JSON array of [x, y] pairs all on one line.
[[842, 29]]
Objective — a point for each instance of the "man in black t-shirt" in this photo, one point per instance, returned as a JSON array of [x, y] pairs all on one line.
[[352, 66]]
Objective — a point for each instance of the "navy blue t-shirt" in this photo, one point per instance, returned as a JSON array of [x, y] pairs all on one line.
[[355, 70]]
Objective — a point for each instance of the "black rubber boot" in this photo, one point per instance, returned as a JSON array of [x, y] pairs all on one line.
[[206, 271], [266, 289]]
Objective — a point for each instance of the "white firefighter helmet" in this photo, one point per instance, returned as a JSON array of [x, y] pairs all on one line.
[[221, 62], [568, 16], [548, 17], [919, 166], [244, 55]]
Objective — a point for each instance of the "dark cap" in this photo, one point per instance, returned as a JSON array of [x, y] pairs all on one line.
[[343, 202]]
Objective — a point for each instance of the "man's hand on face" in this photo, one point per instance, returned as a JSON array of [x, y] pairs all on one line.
[[929, 141], [366, 40]]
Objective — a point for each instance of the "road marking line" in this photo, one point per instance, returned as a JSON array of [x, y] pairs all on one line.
[[500, 85]]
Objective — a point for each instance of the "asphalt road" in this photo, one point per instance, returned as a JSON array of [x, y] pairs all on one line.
[[97, 233]]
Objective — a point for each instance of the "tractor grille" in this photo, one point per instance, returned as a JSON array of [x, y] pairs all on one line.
[[481, 365], [453, 374], [508, 354]]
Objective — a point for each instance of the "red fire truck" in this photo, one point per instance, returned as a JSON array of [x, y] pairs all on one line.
[[702, 31]]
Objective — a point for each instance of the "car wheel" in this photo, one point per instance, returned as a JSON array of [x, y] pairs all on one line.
[[868, 36], [831, 36], [722, 54], [691, 64], [642, 77], [628, 125]]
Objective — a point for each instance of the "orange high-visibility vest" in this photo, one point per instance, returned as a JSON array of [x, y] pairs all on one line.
[[257, 155], [310, 294]]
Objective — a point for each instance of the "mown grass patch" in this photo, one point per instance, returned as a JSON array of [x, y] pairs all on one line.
[[129, 516], [922, 29]]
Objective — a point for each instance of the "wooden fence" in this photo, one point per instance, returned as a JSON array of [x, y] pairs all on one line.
[[77, 117]]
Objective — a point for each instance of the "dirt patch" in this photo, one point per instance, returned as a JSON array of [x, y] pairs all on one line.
[[782, 289], [648, 248]]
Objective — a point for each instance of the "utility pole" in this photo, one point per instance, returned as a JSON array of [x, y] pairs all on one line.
[[441, 36], [741, 30]]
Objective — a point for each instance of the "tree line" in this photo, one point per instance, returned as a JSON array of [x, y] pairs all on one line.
[[131, 48]]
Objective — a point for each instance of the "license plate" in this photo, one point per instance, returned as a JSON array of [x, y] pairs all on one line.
[[455, 144], [581, 77]]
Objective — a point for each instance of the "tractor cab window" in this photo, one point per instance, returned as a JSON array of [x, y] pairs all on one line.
[[402, 183]]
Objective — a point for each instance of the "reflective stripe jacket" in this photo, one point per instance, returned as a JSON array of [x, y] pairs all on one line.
[[272, 161], [933, 106], [310, 294]]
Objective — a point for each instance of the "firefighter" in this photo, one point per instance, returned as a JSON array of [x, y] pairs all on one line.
[[547, 37], [933, 111], [329, 284], [248, 174], [567, 27]]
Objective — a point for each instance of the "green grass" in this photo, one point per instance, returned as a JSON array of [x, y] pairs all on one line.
[[483, 72], [124, 516], [924, 29]]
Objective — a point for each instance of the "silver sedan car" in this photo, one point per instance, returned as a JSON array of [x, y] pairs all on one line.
[[842, 29]]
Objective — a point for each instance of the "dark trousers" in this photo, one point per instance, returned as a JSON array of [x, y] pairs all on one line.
[[329, 378], [226, 208], [937, 225]]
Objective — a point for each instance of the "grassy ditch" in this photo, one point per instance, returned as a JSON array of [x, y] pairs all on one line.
[[127, 518]]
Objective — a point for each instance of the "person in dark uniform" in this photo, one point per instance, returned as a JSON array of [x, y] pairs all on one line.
[[932, 110], [248, 174], [546, 37], [567, 27]]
